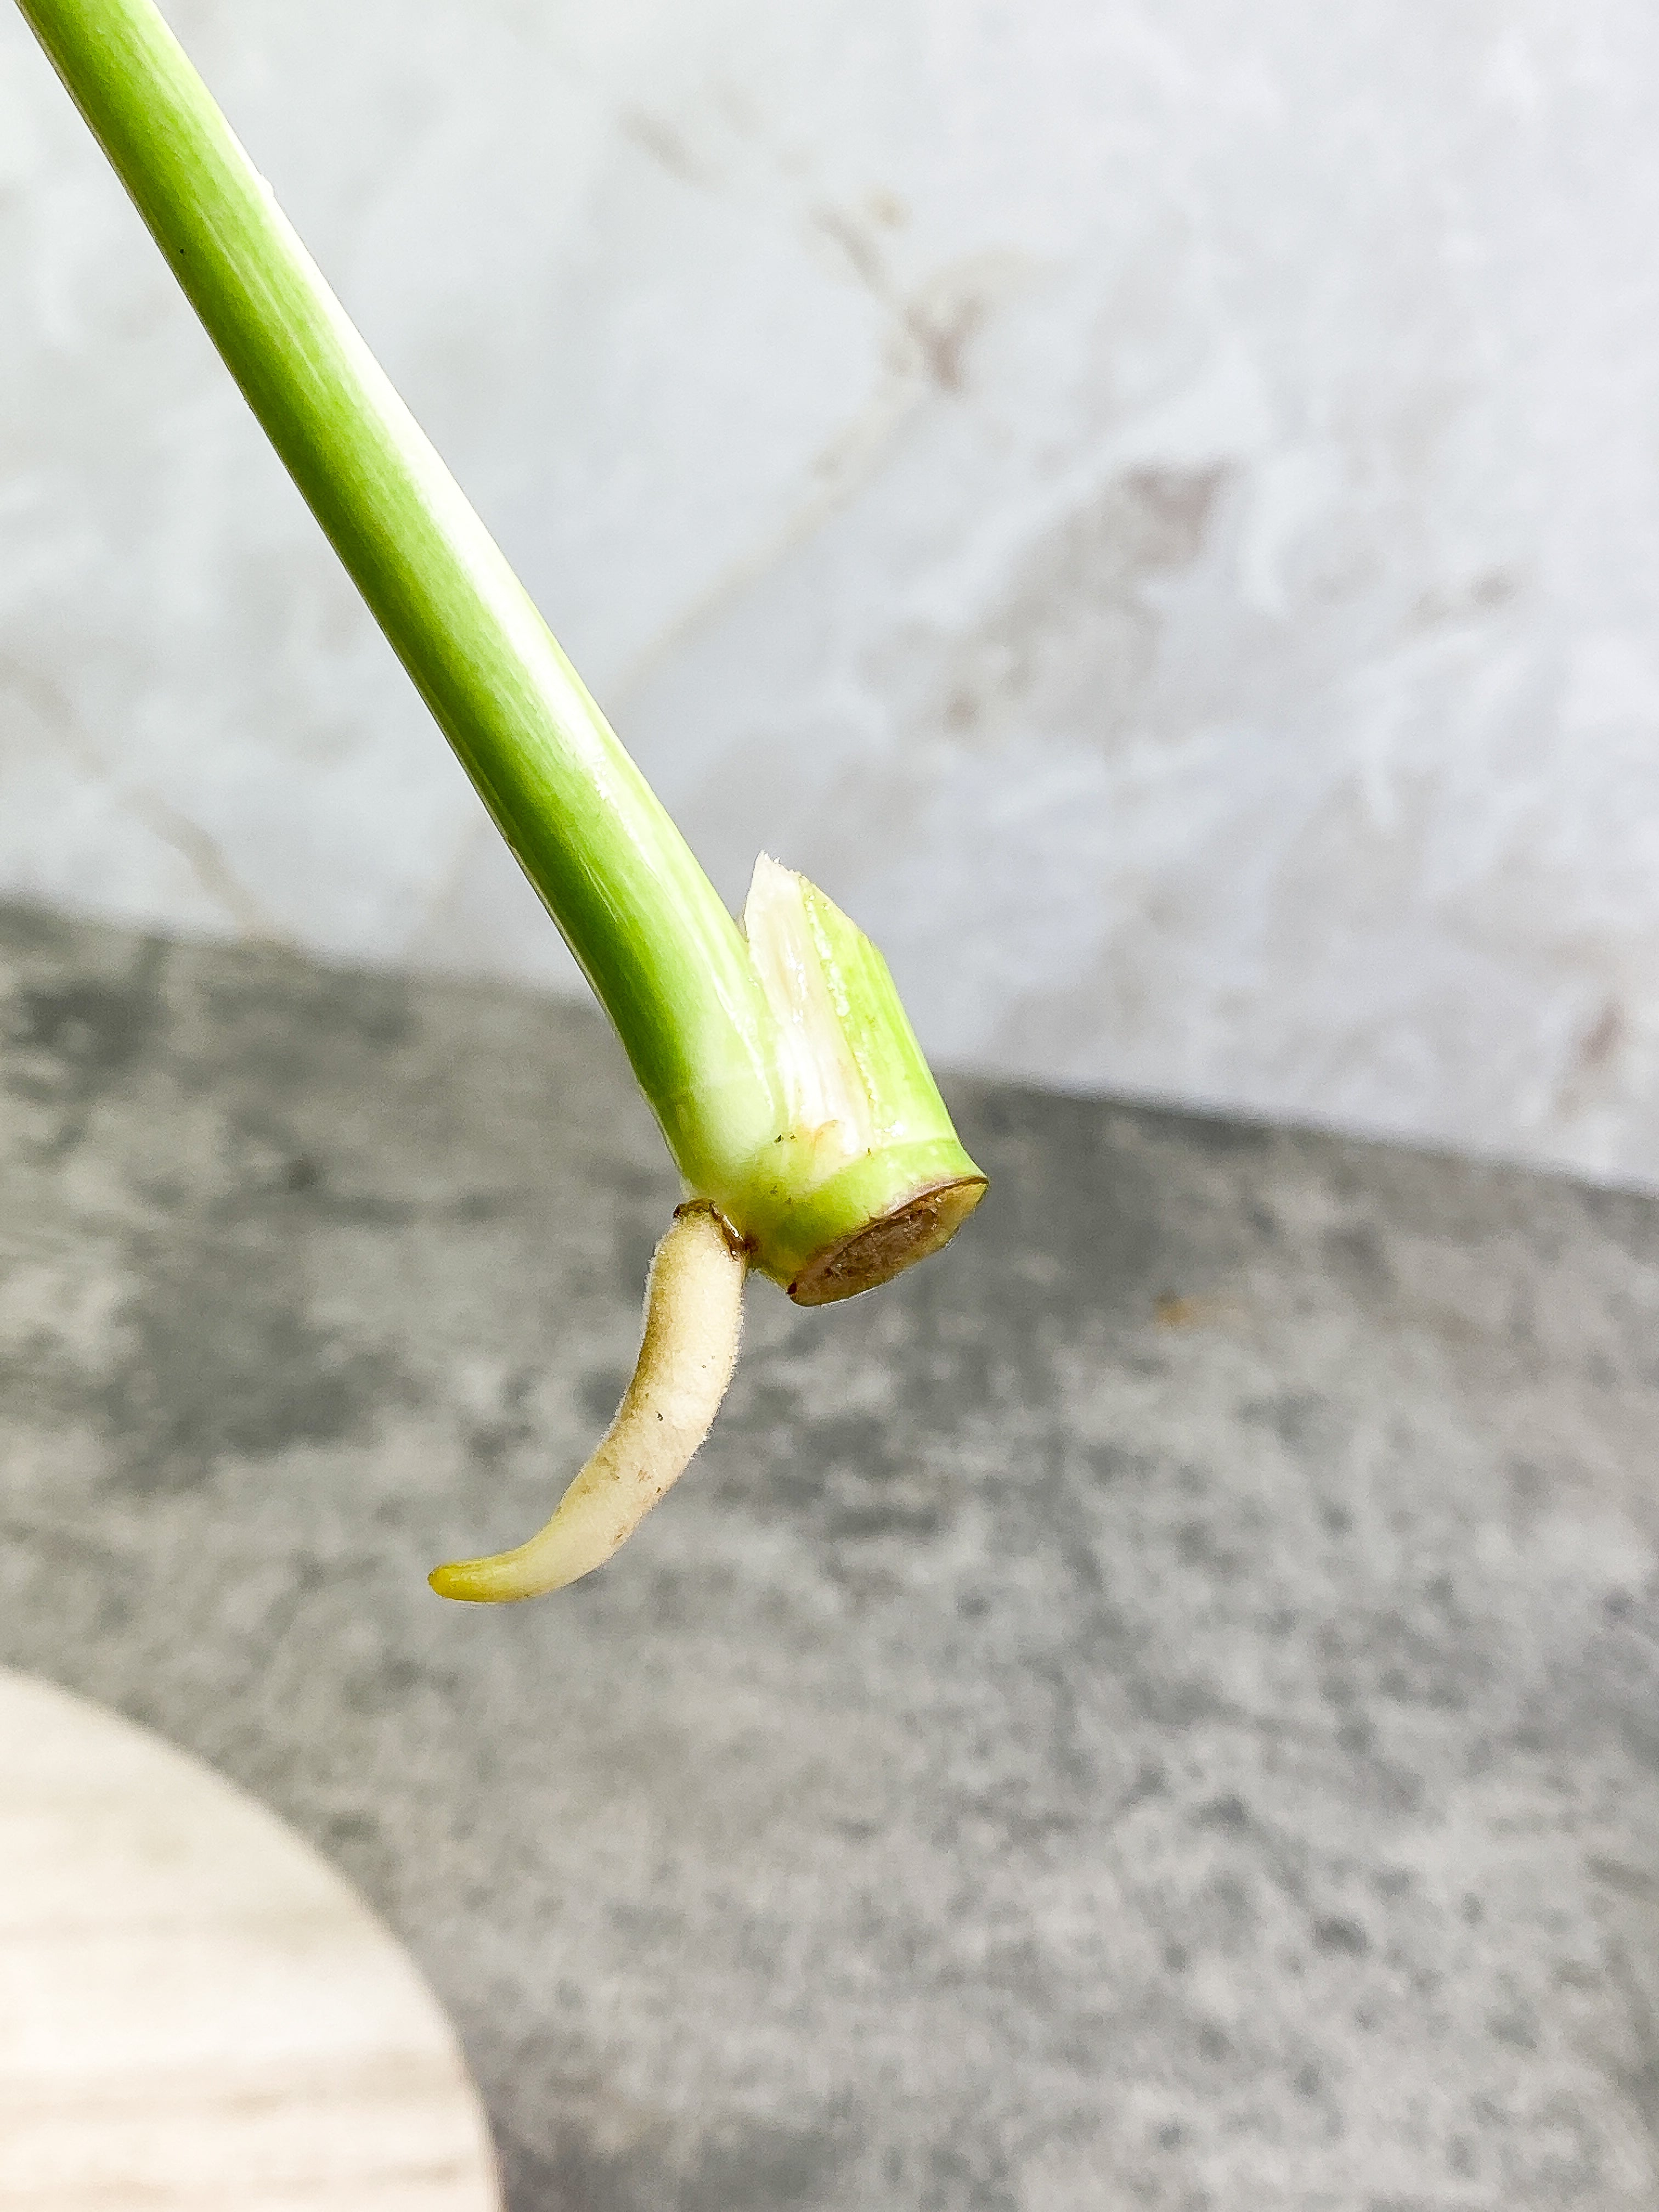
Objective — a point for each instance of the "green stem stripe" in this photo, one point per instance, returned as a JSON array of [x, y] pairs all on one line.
[[662, 954]]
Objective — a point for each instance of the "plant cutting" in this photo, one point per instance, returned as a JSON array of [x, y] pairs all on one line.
[[794, 1099]]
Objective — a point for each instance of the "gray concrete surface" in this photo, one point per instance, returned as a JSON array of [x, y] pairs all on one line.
[[1158, 1709]]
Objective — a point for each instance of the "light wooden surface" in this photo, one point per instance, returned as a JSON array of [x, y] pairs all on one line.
[[195, 2011]]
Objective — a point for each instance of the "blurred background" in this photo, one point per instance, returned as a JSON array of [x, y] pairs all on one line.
[[1155, 507]]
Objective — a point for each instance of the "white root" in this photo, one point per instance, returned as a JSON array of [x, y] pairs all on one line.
[[693, 1321]]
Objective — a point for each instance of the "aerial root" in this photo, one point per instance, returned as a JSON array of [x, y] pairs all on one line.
[[693, 1323]]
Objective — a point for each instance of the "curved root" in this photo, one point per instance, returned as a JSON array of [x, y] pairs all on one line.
[[693, 1321]]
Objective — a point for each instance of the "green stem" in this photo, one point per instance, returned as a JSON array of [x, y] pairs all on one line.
[[659, 949], [700, 1022]]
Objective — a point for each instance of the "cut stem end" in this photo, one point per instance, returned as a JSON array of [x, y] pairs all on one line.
[[886, 1247]]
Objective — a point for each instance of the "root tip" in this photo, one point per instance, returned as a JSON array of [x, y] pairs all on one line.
[[459, 1579]]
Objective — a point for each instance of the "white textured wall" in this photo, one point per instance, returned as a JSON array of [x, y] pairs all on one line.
[[1155, 505]]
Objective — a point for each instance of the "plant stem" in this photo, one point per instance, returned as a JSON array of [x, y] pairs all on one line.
[[665, 958], [649, 931]]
